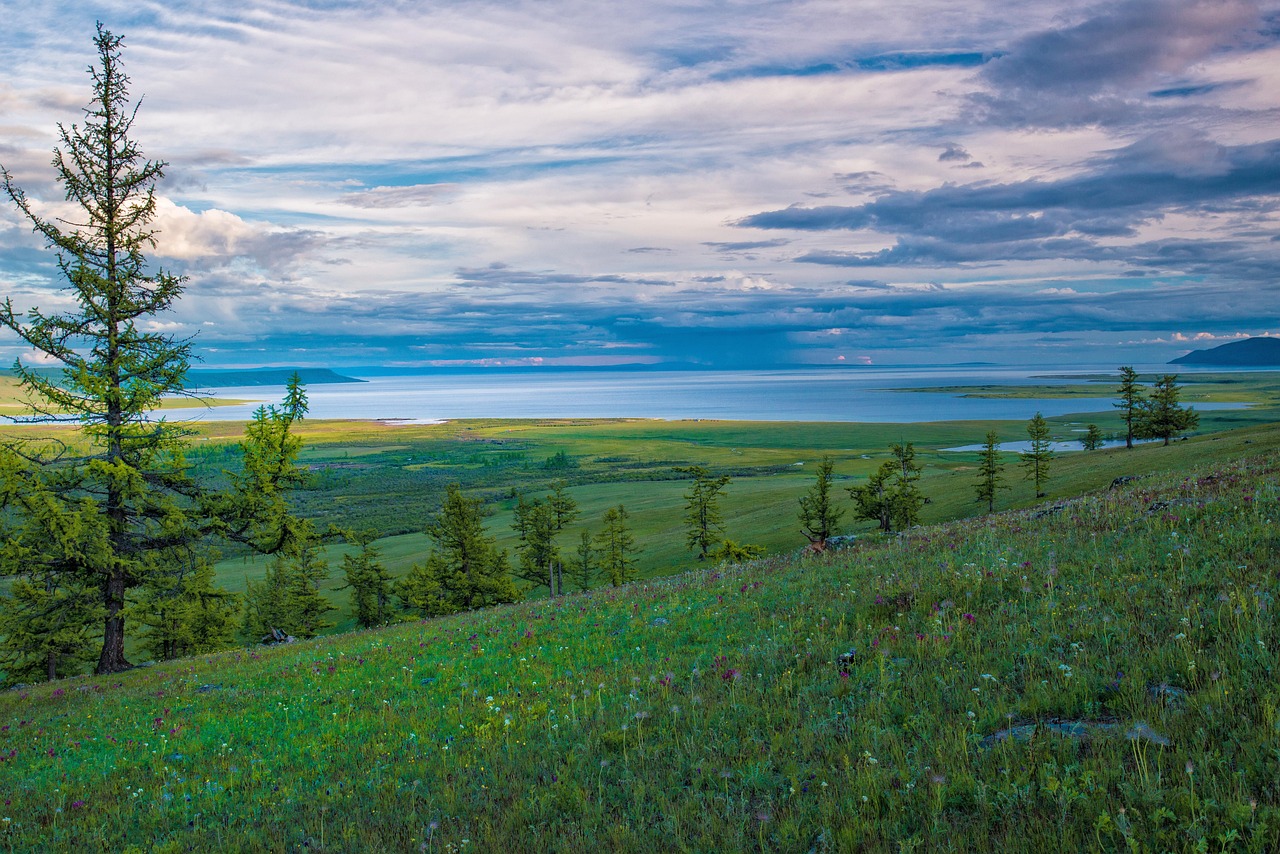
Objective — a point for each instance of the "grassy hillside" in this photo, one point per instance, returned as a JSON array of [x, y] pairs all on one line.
[[1087, 675]]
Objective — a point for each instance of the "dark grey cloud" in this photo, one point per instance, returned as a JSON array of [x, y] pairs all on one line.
[[1099, 69], [954, 153], [865, 182], [1075, 217], [747, 245]]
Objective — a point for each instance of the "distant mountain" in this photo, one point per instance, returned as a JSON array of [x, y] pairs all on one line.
[[1251, 352], [211, 378]]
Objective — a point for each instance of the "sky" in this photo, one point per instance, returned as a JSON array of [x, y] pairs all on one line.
[[727, 184]]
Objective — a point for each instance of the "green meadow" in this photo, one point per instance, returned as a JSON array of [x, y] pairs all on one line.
[[1097, 673]]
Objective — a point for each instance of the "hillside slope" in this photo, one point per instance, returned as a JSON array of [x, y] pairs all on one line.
[[1251, 352], [1066, 678]]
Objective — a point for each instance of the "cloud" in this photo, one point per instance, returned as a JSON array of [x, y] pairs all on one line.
[[342, 174], [397, 197], [1077, 217], [1096, 69]]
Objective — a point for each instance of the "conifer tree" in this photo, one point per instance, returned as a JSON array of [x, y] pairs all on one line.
[[890, 497], [582, 568], [113, 373], [1036, 460], [616, 547], [368, 580], [1130, 405], [703, 520], [465, 570], [818, 514], [118, 499], [183, 613], [990, 478], [1092, 439], [47, 620], [1161, 416], [538, 522]]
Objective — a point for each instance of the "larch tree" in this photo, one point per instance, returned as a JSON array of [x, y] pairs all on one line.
[[616, 547], [704, 522], [1036, 460], [1131, 398], [1162, 417], [890, 497], [1092, 439], [368, 579], [990, 477], [465, 569], [129, 483], [113, 508], [819, 515], [538, 522]]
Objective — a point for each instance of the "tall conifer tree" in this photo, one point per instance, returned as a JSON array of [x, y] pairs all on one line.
[[114, 509]]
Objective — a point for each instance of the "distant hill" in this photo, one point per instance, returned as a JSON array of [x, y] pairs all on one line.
[[1250, 352], [263, 376]]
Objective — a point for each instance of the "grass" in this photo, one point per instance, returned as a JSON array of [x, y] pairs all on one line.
[[1124, 641]]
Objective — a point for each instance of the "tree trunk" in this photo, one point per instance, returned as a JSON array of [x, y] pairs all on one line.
[[51, 662], [112, 659]]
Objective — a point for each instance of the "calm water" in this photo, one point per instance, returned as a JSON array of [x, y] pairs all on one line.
[[864, 395]]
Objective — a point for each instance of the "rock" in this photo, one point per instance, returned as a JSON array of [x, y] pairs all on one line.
[[847, 657], [276, 637], [1141, 732], [659, 621], [842, 541], [205, 689], [1171, 696], [1079, 730], [1122, 480], [1046, 512]]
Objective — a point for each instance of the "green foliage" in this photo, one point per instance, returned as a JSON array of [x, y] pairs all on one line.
[[369, 582], [182, 612], [1161, 416], [289, 598], [47, 622], [1130, 405], [560, 461], [465, 570], [1093, 438], [116, 507], [704, 523], [990, 475], [582, 566], [819, 516], [616, 547], [730, 552], [891, 497], [538, 522], [1036, 460]]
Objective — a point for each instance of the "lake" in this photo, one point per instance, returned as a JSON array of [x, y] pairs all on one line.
[[855, 394]]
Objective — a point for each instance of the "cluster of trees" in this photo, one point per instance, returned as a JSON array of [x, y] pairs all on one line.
[[1158, 415], [891, 496]]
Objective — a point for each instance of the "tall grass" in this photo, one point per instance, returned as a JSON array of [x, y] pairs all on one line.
[[1097, 674]]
